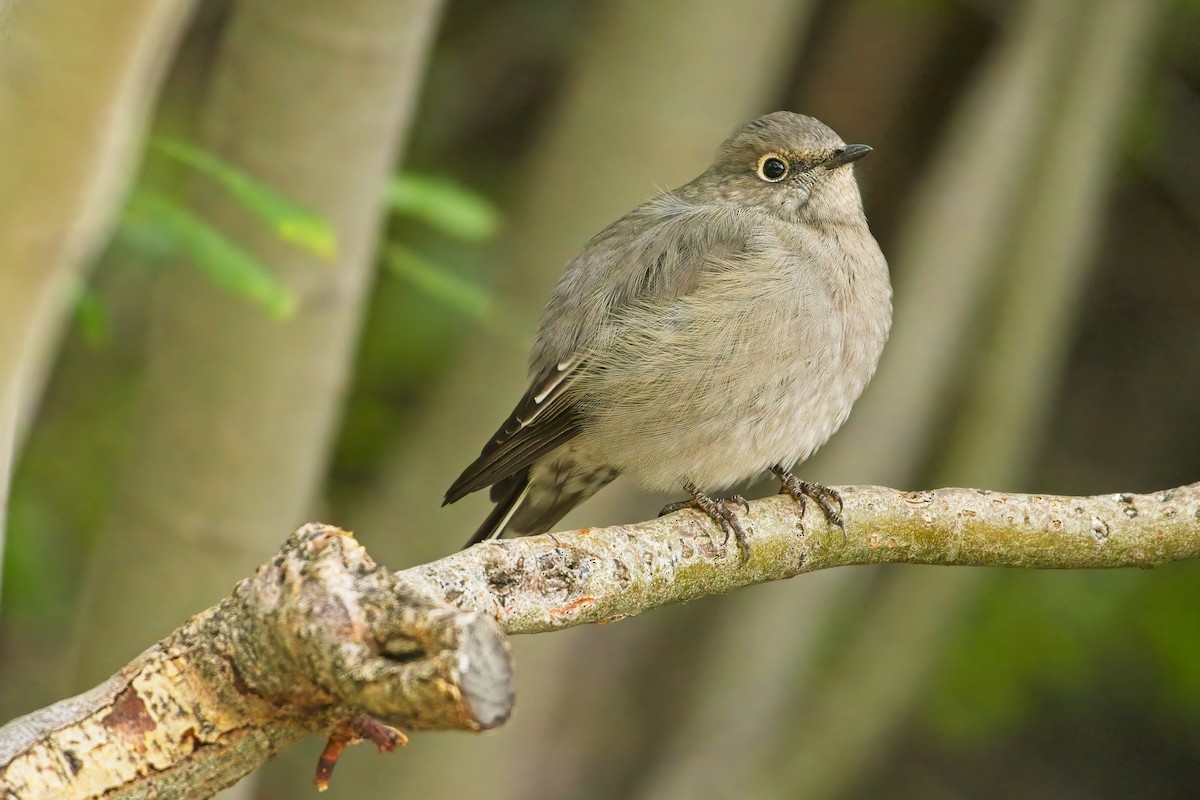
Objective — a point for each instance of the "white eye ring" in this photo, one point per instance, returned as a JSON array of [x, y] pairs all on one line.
[[769, 166]]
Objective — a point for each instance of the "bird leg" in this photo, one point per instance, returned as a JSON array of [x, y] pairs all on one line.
[[720, 513], [824, 496]]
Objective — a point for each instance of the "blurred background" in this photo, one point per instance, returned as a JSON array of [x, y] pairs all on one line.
[[281, 260]]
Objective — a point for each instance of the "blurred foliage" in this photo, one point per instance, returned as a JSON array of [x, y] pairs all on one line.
[[156, 224], [468, 299], [1036, 634], [91, 317], [420, 314], [152, 213], [292, 223], [444, 205], [1031, 633], [450, 222]]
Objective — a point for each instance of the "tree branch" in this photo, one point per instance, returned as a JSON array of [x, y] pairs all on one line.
[[321, 636], [543, 583], [317, 637]]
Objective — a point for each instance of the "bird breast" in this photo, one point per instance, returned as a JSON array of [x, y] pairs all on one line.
[[758, 365]]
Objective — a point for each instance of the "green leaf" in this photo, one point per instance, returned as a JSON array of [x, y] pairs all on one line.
[[468, 298], [445, 205], [224, 262], [292, 223]]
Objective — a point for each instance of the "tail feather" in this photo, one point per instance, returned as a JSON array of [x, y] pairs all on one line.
[[534, 500], [507, 504]]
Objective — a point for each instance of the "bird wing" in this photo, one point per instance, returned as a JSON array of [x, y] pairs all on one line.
[[541, 422], [653, 254]]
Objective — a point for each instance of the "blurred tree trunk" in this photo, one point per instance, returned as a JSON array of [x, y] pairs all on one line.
[[72, 109], [64, 480], [235, 409]]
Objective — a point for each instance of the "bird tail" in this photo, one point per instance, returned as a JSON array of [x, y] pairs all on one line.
[[509, 499], [526, 506]]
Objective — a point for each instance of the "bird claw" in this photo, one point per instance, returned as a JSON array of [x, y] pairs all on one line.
[[671, 508], [719, 512], [823, 496]]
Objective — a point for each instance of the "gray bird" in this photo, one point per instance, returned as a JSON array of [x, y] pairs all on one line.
[[711, 334]]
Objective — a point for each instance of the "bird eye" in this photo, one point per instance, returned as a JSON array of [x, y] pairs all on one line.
[[772, 168]]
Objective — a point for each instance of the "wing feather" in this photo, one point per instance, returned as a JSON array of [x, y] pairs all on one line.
[[653, 254], [540, 423]]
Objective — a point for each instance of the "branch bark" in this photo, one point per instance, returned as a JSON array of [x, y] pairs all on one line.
[[317, 637], [320, 635], [554, 581]]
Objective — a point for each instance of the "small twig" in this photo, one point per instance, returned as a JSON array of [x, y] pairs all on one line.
[[352, 731]]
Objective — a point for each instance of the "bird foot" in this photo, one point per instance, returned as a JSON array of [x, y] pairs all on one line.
[[720, 512], [823, 496]]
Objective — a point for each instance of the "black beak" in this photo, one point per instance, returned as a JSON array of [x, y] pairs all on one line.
[[845, 155]]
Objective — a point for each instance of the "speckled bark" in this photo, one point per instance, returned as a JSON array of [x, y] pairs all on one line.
[[321, 635], [554, 581], [316, 637]]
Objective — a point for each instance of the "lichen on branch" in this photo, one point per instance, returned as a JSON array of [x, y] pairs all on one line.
[[553, 581]]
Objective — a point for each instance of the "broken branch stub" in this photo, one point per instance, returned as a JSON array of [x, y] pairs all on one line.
[[315, 639], [346, 631]]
